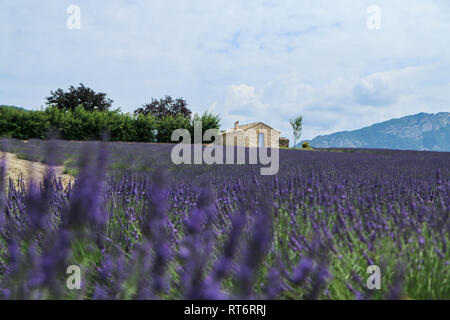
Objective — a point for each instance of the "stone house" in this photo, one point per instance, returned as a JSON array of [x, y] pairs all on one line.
[[256, 134]]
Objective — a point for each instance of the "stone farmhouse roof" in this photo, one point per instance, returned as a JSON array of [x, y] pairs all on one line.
[[247, 126]]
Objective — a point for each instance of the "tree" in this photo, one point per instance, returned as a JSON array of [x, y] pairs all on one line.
[[167, 124], [165, 107], [88, 98], [297, 125], [209, 121]]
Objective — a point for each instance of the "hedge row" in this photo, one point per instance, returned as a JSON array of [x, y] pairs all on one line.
[[84, 125]]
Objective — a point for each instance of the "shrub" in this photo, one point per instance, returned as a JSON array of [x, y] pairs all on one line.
[[305, 145], [20, 124], [167, 125], [209, 121], [80, 124]]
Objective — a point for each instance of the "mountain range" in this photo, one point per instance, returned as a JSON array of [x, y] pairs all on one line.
[[422, 131]]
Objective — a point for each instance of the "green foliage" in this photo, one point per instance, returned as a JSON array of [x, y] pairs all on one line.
[[166, 125], [84, 125], [297, 126], [71, 167], [78, 124], [19, 124], [305, 145], [81, 124], [209, 121]]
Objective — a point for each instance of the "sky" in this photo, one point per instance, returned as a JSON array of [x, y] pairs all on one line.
[[341, 64]]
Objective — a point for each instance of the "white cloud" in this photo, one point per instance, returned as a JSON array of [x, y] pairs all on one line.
[[342, 104], [257, 61], [242, 94]]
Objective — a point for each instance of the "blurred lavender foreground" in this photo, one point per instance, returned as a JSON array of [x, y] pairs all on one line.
[[141, 228]]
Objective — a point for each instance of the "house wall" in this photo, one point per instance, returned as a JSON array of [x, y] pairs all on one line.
[[249, 137], [271, 136], [236, 137]]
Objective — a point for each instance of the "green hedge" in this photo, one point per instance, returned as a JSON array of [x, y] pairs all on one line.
[[20, 124], [88, 125]]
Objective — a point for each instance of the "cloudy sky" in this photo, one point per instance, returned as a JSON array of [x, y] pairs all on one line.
[[246, 60]]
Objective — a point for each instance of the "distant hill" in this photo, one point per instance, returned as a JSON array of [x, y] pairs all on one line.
[[422, 131], [20, 108]]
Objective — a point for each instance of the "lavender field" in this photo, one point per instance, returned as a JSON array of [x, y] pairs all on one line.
[[142, 228]]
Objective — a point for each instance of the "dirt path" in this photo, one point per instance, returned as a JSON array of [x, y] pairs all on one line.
[[15, 167]]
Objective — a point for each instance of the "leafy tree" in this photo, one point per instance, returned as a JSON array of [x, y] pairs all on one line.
[[165, 107], [209, 121], [84, 96], [297, 126], [166, 125]]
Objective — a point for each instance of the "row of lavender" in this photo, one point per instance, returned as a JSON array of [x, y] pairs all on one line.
[[223, 232]]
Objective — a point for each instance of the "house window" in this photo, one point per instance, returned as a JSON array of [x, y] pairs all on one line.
[[260, 140]]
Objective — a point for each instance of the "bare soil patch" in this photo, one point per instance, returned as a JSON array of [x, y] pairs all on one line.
[[31, 170]]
